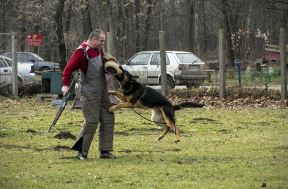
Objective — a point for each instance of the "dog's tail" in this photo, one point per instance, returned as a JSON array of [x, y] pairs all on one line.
[[187, 105]]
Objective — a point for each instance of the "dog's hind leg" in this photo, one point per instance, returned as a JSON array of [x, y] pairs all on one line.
[[159, 120], [166, 129], [171, 125]]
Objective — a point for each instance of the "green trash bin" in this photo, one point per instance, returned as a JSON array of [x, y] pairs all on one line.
[[51, 82]]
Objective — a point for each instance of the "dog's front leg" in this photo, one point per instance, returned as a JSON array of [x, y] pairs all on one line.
[[122, 105], [118, 95]]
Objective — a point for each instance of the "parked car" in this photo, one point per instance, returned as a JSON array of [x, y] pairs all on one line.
[[183, 68], [25, 75], [39, 63]]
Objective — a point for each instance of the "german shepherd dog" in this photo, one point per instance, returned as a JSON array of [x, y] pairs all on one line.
[[136, 95]]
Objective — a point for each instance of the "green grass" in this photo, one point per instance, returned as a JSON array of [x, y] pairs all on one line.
[[219, 148]]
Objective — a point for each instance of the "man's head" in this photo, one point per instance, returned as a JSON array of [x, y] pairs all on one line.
[[96, 39]]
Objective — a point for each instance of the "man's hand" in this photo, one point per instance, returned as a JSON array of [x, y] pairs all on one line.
[[64, 90]]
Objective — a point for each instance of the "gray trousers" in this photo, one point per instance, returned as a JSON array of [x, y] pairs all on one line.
[[95, 111]]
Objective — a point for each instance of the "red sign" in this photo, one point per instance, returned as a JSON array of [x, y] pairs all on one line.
[[34, 39]]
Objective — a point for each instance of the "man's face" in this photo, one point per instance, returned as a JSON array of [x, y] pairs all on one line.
[[98, 42]]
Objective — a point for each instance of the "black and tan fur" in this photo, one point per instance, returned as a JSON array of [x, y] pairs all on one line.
[[136, 95]]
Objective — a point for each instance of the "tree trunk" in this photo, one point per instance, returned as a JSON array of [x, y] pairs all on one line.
[[228, 33], [68, 17], [197, 26], [205, 43], [86, 20], [121, 31], [248, 31], [60, 35], [137, 25], [147, 25], [110, 28], [191, 46], [3, 24]]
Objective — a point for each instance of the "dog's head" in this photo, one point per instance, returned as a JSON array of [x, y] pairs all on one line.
[[111, 65], [125, 78]]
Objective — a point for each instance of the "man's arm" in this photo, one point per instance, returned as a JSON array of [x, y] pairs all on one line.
[[72, 65]]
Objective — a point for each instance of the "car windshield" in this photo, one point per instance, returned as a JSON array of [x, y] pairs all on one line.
[[187, 58], [8, 61], [37, 57], [25, 56], [2, 63]]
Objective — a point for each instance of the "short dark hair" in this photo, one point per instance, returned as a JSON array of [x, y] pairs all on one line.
[[96, 33]]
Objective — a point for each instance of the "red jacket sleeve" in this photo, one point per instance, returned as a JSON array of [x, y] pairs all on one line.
[[72, 65]]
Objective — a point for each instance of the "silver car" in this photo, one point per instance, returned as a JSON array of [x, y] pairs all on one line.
[[24, 72], [183, 68], [39, 63]]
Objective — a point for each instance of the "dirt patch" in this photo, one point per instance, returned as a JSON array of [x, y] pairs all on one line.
[[225, 131], [124, 133], [263, 185], [31, 131], [61, 148], [65, 135], [204, 119], [149, 151]]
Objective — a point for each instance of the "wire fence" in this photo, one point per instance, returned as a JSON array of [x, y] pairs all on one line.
[[247, 74]]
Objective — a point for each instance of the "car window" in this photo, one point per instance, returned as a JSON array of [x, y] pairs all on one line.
[[140, 59], [31, 57], [22, 57], [156, 59], [36, 57], [2, 63], [7, 54], [187, 57], [9, 62]]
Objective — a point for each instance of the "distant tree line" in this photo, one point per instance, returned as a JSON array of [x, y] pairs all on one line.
[[190, 25]]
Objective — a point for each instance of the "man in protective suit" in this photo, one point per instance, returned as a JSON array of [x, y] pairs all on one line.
[[89, 58]]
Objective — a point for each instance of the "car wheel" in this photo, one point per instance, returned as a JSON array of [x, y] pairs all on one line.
[[44, 69], [170, 82], [20, 87]]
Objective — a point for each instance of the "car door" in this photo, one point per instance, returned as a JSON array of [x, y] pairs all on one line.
[[138, 66], [5, 72], [154, 68]]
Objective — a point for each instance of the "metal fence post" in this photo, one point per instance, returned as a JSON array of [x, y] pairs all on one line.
[[14, 65], [163, 63], [221, 64], [283, 65]]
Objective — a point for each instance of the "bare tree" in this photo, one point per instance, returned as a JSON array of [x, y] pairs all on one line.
[[59, 33], [150, 5], [137, 25]]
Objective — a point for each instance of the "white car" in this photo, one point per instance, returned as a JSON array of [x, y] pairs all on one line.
[[24, 72], [182, 68]]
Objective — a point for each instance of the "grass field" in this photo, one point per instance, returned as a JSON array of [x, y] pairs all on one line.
[[219, 148]]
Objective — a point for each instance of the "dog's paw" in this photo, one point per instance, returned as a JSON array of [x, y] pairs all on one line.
[[111, 109]]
